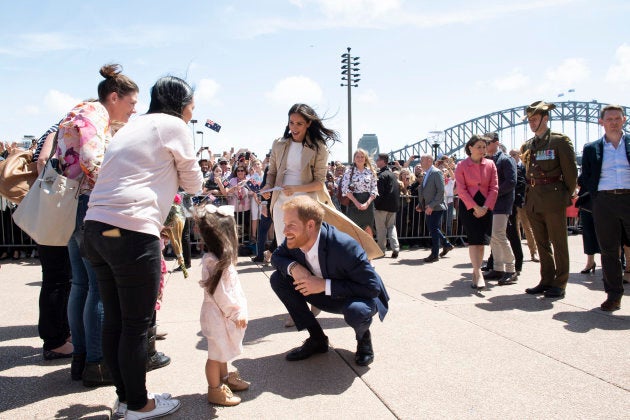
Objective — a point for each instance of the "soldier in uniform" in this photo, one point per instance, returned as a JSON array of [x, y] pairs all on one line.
[[551, 174]]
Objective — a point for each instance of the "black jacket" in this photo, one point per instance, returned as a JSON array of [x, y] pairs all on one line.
[[388, 198]]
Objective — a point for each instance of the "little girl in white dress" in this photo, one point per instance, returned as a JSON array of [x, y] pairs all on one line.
[[224, 310]]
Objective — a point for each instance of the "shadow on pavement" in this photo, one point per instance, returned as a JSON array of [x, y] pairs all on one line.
[[523, 302], [293, 380], [21, 391], [456, 289], [80, 411], [17, 331], [585, 321]]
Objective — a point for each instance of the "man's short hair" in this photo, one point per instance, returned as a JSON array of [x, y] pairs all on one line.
[[307, 209], [384, 157], [612, 108], [202, 161], [427, 156], [493, 136]]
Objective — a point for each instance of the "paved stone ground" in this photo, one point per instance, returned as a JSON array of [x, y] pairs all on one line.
[[442, 352]]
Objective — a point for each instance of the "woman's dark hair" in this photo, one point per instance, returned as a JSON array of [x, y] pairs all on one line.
[[474, 140], [115, 81], [236, 168], [318, 134], [169, 95], [219, 235]]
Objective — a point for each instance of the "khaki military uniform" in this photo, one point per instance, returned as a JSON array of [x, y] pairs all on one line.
[[551, 180]]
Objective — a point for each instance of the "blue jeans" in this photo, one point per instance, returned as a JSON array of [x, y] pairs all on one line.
[[127, 265], [85, 309], [263, 227], [437, 237]]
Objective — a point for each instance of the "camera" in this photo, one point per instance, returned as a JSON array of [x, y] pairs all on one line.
[[247, 155]]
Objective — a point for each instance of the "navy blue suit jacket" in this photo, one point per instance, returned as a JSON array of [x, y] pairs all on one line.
[[344, 262], [592, 157]]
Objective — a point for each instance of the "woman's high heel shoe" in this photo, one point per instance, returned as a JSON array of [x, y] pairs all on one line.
[[589, 269]]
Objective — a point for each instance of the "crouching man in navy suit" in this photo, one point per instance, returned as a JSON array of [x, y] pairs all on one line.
[[323, 266]]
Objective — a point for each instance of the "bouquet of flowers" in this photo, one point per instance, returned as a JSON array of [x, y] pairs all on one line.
[[173, 227]]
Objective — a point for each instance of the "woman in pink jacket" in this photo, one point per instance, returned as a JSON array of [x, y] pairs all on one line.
[[477, 187]]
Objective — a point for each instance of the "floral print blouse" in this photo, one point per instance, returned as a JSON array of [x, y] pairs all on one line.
[[362, 181], [83, 137]]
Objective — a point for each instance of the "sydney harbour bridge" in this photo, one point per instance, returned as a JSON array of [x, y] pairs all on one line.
[[579, 120]]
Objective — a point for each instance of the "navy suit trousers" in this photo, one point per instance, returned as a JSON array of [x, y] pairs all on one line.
[[357, 312]]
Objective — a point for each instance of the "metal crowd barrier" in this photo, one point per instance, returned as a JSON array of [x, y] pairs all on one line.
[[410, 225]]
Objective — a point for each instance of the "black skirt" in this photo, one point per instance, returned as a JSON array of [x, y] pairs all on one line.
[[478, 230], [362, 218]]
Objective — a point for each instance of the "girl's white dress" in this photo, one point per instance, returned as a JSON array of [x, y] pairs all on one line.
[[220, 310]]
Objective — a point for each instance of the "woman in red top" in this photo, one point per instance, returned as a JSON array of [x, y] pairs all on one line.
[[477, 187]]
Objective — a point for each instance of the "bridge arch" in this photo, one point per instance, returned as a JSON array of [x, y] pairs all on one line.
[[579, 120]]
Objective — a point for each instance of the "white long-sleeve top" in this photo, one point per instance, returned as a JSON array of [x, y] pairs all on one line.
[[144, 165]]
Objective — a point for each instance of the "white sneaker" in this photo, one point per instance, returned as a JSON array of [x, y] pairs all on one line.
[[162, 408], [120, 408]]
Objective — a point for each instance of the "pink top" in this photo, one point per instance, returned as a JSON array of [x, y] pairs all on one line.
[[471, 177]]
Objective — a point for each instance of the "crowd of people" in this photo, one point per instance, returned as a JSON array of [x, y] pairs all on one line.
[[318, 222]]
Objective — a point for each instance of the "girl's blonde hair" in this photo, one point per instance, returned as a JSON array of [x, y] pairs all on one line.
[[368, 161], [218, 232]]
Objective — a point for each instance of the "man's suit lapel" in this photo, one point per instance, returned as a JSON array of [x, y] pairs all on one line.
[[322, 253], [626, 138]]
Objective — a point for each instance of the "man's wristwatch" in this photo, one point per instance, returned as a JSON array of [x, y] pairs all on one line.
[[290, 268]]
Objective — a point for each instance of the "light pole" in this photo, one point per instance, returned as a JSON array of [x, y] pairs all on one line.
[[436, 143], [193, 122], [349, 74], [201, 132]]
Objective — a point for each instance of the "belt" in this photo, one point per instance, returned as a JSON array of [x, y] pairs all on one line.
[[545, 180], [616, 192]]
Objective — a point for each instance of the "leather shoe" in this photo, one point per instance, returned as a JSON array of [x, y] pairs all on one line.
[[307, 349], [485, 268], [536, 290], [365, 354], [493, 275], [554, 292], [157, 360], [508, 278], [448, 248], [395, 254], [431, 258], [54, 355], [96, 374], [611, 305]]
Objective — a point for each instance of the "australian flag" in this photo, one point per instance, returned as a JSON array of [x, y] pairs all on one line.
[[213, 126]]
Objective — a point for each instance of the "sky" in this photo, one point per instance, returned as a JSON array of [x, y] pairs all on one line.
[[425, 65]]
